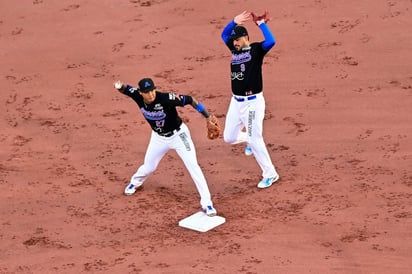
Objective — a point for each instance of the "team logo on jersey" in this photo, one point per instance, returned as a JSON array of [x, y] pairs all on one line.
[[174, 96], [132, 90], [237, 76], [153, 115], [158, 107], [239, 58]]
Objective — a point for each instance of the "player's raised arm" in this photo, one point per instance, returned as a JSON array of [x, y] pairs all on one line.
[[239, 19], [261, 21]]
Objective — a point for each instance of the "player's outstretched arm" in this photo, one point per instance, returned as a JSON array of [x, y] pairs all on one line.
[[200, 107]]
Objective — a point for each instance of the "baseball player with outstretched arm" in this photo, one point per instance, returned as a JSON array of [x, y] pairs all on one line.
[[168, 132], [247, 105]]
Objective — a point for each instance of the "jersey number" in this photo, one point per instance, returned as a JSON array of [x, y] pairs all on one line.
[[160, 123]]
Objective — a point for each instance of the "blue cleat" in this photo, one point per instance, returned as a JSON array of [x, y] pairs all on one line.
[[267, 182], [248, 150]]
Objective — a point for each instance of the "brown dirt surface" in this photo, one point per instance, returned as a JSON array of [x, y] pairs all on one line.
[[338, 89]]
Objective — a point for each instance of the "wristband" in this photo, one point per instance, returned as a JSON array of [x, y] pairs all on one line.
[[260, 22], [200, 107]]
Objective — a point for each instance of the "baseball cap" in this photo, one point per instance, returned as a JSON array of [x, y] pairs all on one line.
[[238, 31], [146, 85]]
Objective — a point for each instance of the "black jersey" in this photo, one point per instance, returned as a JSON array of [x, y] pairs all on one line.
[[246, 69], [161, 114]]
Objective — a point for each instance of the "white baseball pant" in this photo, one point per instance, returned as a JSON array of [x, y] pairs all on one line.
[[249, 114], [182, 142]]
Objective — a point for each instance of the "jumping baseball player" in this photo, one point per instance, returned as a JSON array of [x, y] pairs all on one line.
[[168, 132], [247, 105]]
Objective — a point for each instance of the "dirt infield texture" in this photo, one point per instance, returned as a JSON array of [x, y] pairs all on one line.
[[338, 89]]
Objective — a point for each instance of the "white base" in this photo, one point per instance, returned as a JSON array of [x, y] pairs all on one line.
[[201, 222]]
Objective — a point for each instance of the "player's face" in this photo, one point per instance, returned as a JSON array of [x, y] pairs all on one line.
[[241, 42], [149, 97]]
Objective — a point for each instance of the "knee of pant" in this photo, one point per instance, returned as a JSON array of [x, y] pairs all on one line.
[[257, 136], [228, 139]]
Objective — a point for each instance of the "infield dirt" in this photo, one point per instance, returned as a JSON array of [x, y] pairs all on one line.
[[338, 89]]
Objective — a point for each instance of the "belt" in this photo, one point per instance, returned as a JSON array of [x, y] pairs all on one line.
[[241, 99], [170, 133]]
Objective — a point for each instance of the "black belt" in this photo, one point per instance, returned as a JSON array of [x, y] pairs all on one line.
[[242, 99], [170, 133]]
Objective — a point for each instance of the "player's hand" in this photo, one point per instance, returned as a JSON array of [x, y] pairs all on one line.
[[242, 18], [118, 85], [264, 18], [213, 127]]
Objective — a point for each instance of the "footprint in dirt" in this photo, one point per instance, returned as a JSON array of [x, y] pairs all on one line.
[[298, 128], [71, 7]]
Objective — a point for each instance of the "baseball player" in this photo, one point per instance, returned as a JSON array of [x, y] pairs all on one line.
[[247, 105], [168, 132]]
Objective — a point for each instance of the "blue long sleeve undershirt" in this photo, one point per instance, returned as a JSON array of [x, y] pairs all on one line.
[[227, 30], [269, 38]]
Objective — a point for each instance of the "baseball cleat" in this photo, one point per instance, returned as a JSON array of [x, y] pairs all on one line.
[[130, 189], [210, 211], [248, 150], [267, 182]]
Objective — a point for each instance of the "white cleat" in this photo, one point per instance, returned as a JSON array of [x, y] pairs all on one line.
[[130, 189], [210, 211]]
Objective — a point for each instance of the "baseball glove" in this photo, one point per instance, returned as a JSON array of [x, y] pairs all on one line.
[[257, 18], [213, 127]]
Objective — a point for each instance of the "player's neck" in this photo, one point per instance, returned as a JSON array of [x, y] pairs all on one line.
[[147, 102]]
